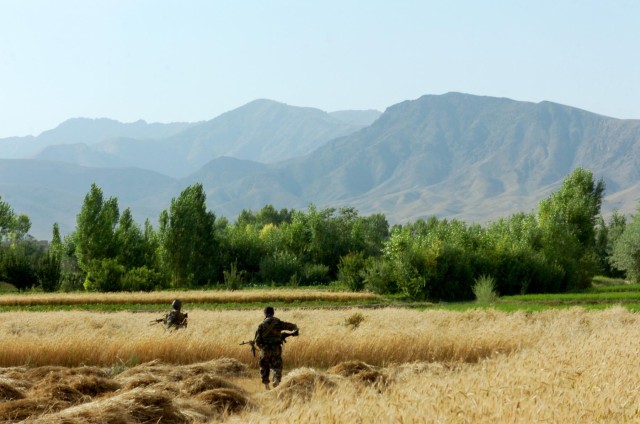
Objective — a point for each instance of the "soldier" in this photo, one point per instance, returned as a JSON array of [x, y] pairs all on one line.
[[175, 318], [269, 339]]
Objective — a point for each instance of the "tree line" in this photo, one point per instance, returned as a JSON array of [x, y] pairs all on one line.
[[558, 247]]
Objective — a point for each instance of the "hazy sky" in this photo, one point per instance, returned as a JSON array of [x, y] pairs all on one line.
[[168, 61]]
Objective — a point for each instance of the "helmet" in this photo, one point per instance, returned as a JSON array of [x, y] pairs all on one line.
[[176, 304], [269, 310]]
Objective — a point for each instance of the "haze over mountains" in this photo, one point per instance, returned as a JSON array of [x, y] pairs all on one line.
[[454, 155]]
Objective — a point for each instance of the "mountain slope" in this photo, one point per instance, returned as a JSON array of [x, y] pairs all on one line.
[[84, 131], [261, 131], [455, 156]]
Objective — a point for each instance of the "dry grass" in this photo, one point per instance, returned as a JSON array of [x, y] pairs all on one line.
[[403, 366], [187, 297], [71, 338]]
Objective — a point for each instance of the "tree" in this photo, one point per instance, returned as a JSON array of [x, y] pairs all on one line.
[[626, 249], [568, 218], [607, 235], [6, 218], [130, 242], [95, 228], [188, 239]]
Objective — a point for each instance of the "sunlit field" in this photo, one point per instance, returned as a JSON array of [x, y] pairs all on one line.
[[165, 297], [348, 365]]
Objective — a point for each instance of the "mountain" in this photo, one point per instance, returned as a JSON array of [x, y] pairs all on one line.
[[458, 156], [51, 192], [358, 117], [84, 131], [455, 155], [262, 131]]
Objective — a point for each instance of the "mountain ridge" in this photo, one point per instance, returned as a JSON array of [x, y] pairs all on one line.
[[456, 155]]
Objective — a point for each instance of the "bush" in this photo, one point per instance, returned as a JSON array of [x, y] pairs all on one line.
[[378, 276], [71, 281], [349, 270], [279, 267], [104, 275], [18, 270], [49, 272], [484, 290], [315, 274], [142, 279], [233, 279]]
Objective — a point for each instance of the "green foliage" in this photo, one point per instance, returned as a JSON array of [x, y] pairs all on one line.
[[49, 271], [279, 267], [142, 279], [626, 250], [233, 279], [349, 271], [568, 218], [71, 281], [18, 269], [378, 276], [607, 234], [188, 240], [95, 226], [484, 290], [104, 275], [134, 248], [314, 275]]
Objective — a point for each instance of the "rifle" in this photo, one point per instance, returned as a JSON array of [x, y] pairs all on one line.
[[156, 321], [292, 334], [253, 346], [283, 336], [182, 324]]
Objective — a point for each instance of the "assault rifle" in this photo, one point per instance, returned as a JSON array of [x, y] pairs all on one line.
[[292, 334], [253, 346], [283, 336], [181, 324]]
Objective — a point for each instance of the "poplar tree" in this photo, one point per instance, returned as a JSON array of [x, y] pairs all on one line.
[[189, 245]]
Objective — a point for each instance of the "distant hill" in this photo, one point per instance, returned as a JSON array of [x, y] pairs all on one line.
[[358, 117], [262, 131], [455, 155], [84, 131], [458, 156]]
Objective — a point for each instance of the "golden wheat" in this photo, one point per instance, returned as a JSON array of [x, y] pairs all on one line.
[[384, 336], [193, 296], [405, 366]]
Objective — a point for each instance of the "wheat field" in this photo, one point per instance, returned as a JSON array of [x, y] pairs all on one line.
[[189, 296], [395, 366]]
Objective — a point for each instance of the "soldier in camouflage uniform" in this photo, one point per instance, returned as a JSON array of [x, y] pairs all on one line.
[[175, 318], [269, 339]]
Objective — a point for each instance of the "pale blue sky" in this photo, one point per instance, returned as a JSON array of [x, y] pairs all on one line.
[[168, 61]]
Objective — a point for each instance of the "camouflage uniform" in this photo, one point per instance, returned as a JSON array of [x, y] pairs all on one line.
[[175, 319], [269, 339]]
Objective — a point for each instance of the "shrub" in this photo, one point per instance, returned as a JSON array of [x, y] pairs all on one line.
[[279, 267], [104, 275], [71, 281], [484, 290], [18, 269], [233, 279], [378, 276], [315, 274], [142, 279], [349, 271], [48, 271]]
